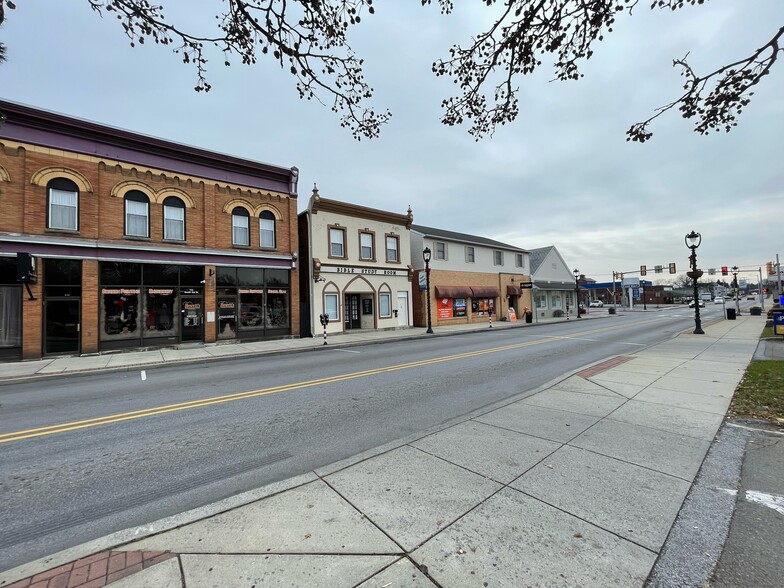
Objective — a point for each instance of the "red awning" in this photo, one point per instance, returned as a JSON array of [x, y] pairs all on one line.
[[513, 291], [485, 292], [453, 292]]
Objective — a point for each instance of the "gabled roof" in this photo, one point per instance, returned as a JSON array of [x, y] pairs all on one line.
[[464, 238], [538, 256]]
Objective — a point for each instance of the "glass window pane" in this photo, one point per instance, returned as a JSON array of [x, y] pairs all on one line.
[[251, 310], [191, 275], [63, 209], [161, 274], [120, 274], [366, 246], [336, 242], [384, 305], [276, 277], [277, 308], [174, 223], [62, 272], [240, 229], [392, 249], [250, 276], [226, 276], [267, 232], [136, 218], [331, 306], [119, 312], [158, 317]]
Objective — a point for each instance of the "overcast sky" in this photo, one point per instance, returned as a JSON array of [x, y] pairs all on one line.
[[563, 174]]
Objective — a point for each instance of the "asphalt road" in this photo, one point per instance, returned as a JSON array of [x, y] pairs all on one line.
[[176, 440]]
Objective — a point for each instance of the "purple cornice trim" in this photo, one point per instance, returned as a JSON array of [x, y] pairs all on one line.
[[106, 253], [47, 129]]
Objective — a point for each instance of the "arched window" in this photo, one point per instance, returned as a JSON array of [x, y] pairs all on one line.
[[267, 230], [62, 205], [173, 219], [137, 214], [240, 226]]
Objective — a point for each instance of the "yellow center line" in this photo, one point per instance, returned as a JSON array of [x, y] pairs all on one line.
[[158, 410]]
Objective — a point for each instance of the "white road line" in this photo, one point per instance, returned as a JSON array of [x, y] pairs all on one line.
[[345, 350], [144, 375], [769, 500]]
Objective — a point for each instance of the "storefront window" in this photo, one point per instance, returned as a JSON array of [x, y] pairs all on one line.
[[277, 308], [120, 274], [251, 308], [120, 313], [541, 300], [227, 318], [276, 277], [482, 305], [459, 308], [158, 312], [556, 300]]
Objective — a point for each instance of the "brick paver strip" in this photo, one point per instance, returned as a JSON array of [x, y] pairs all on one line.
[[604, 366], [95, 571]]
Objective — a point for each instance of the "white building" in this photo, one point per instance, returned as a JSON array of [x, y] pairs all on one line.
[[554, 283], [359, 271]]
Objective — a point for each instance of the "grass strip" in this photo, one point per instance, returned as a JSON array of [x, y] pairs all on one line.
[[760, 394]]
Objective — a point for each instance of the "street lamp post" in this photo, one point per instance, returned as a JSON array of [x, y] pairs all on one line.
[[736, 288], [577, 290], [693, 240], [426, 256]]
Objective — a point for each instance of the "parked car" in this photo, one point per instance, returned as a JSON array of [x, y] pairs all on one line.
[[701, 302], [718, 300], [751, 297], [596, 304]]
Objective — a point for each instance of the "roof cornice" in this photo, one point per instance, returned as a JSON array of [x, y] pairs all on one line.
[[319, 204]]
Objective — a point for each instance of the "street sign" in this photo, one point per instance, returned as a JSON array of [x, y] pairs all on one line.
[[526, 285], [778, 323], [635, 292]]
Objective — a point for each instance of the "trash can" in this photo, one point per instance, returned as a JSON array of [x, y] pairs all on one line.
[[755, 311], [529, 317], [730, 314], [611, 310]]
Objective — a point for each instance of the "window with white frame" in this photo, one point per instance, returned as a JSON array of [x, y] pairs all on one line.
[[337, 242], [518, 260], [393, 245], [173, 219], [63, 205], [366, 246], [384, 304], [555, 299], [541, 300], [331, 306], [470, 254], [267, 230], [440, 250], [498, 257], [137, 214], [240, 227]]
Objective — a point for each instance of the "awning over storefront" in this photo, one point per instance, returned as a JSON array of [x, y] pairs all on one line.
[[453, 292], [485, 292], [513, 291]]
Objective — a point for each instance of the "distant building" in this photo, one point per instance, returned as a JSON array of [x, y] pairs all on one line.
[[554, 283], [471, 278]]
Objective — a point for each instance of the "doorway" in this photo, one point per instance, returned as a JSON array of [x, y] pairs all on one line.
[[61, 325], [192, 320], [402, 309], [10, 322], [352, 312]]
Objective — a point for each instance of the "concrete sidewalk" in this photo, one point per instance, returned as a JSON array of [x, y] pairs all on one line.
[[578, 483]]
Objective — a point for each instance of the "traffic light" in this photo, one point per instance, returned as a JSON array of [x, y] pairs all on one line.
[[672, 268], [643, 270], [724, 270], [769, 267]]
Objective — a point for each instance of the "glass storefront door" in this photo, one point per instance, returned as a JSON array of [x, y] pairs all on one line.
[[61, 325], [192, 319], [352, 312], [10, 322]]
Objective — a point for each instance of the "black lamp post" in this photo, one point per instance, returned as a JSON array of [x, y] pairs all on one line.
[[693, 240], [736, 288], [426, 256], [577, 290]]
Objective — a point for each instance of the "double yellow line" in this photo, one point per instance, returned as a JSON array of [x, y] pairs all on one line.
[[138, 414]]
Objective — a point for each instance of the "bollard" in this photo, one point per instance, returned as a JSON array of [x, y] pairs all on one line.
[[490, 315]]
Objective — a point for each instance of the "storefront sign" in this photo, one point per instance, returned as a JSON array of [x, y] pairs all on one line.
[[251, 291], [161, 291], [444, 308], [121, 291], [362, 270]]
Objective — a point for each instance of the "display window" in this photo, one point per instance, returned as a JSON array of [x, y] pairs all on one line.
[[158, 312], [482, 306], [120, 313], [277, 308], [251, 308], [459, 307], [227, 318]]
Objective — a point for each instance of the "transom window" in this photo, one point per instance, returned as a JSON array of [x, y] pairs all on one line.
[[137, 214], [366, 246], [337, 242], [267, 230], [63, 205], [393, 244], [440, 250], [470, 254], [173, 219], [498, 257], [240, 227]]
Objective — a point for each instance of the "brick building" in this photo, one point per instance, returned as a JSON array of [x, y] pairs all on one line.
[[472, 278], [129, 241]]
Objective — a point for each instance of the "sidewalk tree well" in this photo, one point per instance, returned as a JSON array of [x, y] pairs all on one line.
[[309, 39]]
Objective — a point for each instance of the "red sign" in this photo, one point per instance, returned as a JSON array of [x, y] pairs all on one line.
[[444, 307]]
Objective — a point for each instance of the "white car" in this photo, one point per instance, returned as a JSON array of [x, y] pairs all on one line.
[[718, 300], [596, 304], [701, 302]]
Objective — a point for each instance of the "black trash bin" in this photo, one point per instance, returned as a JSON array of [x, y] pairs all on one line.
[[730, 314], [611, 310], [529, 317], [755, 311]]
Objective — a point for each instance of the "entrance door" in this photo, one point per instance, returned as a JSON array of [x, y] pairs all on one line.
[[10, 321], [192, 321], [352, 312], [402, 309], [61, 325]]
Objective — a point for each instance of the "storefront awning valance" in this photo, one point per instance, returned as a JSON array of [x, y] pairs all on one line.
[[485, 292], [513, 291], [453, 291]]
